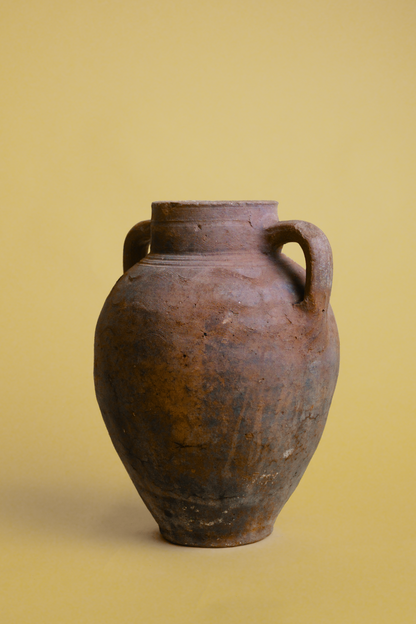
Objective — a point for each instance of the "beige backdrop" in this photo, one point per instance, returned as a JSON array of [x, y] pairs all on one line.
[[109, 105]]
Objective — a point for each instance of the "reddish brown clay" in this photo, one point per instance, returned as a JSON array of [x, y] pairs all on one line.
[[216, 358]]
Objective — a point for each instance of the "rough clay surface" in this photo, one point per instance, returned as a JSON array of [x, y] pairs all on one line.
[[213, 376]]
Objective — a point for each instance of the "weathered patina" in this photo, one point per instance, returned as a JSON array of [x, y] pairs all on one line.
[[216, 358]]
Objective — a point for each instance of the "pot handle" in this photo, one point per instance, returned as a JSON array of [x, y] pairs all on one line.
[[318, 256], [136, 244]]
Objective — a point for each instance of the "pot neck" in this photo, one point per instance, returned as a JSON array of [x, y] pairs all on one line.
[[210, 227]]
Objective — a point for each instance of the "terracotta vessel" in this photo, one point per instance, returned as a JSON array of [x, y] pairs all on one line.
[[216, 358]]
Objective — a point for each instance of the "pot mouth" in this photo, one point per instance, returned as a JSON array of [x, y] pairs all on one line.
[[213, 204], [213, 210]]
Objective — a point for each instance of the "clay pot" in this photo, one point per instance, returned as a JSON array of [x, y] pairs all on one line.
[[216, 359]]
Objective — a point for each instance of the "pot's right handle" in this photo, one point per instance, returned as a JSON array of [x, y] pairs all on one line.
[[318, 256], [136, 244]]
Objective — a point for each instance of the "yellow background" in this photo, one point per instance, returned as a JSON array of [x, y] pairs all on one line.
[[109, 105]]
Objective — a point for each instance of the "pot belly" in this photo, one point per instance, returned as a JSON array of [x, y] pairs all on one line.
[[215, 401]]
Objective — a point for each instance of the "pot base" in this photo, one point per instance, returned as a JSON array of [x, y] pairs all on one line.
[[224, 541]]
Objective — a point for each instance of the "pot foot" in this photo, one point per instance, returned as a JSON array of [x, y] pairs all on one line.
[[221, 541]]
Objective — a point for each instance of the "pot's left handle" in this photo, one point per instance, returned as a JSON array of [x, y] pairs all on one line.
[[136, 244]]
